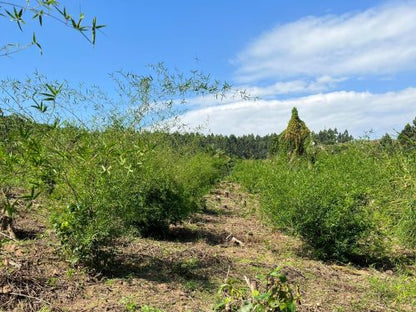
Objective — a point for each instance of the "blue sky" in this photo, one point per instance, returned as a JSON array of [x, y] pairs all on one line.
[[344, 64]]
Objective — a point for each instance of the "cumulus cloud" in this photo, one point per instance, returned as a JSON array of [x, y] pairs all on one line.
[[358, 112], [377, 41]]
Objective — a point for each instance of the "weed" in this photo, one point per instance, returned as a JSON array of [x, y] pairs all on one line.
[[396, 292], [70, 272], [129, 304], [110, 281], [191, 285], [52, 281], [147, 308], [274, 294]]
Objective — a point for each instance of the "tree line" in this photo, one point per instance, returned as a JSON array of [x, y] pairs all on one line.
[[249, 146], [260, 147]]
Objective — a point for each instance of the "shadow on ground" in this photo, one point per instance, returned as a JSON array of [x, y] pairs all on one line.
[[26, 234], [381, 262], [188, 235], [184, 267]]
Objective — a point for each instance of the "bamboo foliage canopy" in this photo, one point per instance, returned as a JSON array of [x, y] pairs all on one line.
[[294, 137]]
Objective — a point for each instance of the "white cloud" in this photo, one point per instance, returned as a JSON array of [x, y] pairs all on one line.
[[292, 87], [356, 111], [373, 42], [323, 83], [310, 56]]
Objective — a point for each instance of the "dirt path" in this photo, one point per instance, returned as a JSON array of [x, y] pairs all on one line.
[[183, 271]]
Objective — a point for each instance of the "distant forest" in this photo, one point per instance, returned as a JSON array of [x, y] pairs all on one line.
[[244, 147], [249, 146]]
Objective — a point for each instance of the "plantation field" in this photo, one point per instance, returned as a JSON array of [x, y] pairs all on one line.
[[160, 188], [183, 270], [123, 220], [354, 203], [121, 213]]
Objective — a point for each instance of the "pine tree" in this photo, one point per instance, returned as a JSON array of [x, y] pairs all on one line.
[[407, 136], [386, 141]]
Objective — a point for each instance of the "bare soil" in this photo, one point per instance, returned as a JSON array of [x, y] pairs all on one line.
[[182, 271]]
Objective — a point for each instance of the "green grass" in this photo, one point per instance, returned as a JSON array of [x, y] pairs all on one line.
[[396, 291]]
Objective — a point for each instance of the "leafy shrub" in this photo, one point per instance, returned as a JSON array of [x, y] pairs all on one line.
[[85, 233], [124, 183], [341, 206], [161, 201], [100, 161], [407, 224], [402, 203], [334, 226]]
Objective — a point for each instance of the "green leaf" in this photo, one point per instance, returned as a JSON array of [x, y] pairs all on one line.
[[291, 307], [10, 14], [39, 15], [74, 24], [50, 2], [64, 13], [246, 308], [262, 296], [94, 28], [16, 16], [35, 42], [10, 208], [32, 196], [41, 107]]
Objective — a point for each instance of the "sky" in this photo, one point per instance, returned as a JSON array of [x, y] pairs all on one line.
[[344, 64]]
